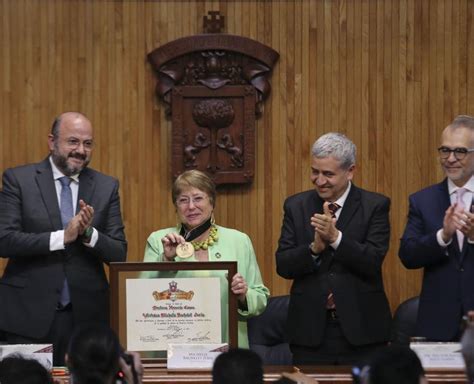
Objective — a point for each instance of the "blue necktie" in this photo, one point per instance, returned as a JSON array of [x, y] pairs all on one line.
[[67, 208], [67, 213]]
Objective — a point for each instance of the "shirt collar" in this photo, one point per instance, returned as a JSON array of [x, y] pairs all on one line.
[[453, 187], [57, 174], [343, 198]]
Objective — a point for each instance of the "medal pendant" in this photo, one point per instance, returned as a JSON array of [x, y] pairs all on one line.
[[185, 250]]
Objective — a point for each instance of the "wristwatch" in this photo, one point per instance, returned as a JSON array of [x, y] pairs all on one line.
[[88, 234]]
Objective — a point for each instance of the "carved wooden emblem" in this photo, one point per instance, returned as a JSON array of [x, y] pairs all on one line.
[[214, 86], [213, 23]]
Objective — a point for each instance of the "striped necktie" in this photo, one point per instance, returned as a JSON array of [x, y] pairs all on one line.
[[460, 207], [330, 303]]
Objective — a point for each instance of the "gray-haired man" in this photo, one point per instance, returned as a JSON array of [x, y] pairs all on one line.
[[333, 242]]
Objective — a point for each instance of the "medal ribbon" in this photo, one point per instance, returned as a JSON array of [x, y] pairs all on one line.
[[195, 232]]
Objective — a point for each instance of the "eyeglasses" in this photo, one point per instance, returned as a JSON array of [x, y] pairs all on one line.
[[75, 143], [185, 200], [459, 153]]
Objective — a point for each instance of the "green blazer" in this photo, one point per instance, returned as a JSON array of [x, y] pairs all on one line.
[[231, 246]]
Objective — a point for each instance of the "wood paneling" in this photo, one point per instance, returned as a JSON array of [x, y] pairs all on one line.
[[389, 73]]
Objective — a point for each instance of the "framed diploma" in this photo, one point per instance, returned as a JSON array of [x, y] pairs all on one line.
[[157, 304]]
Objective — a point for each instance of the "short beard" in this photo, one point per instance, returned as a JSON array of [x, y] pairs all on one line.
[[62, 164]]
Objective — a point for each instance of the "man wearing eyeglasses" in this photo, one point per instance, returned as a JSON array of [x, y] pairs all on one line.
[[439, 237], [60, 221]]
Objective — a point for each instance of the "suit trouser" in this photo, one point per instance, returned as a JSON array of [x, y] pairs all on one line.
[[334, 349], [58, 335]]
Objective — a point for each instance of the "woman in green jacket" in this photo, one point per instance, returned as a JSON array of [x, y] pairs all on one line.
[[194, 196]]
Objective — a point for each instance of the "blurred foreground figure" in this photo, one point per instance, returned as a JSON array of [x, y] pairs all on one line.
[[95, 356], [15, 369], [238, 366], [392, 365]]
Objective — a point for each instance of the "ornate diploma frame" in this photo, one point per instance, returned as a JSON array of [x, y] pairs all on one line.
[[123, 274]]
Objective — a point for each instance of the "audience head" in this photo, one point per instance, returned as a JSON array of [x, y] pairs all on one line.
[[467, 348], [93, 355], [16, 369], [394, 364], [238, 366]]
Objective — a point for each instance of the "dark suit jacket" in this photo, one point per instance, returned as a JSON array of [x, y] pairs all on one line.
[[448, 279], [353, 272], [33, 278]]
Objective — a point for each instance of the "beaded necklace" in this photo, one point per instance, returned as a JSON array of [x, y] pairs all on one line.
[[211, 240]]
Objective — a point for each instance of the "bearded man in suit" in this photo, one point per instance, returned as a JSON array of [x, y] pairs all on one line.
[[60, 221], [333, 242], [439, 237]]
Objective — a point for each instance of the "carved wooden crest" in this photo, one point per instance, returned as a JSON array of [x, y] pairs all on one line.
[[214, 86]]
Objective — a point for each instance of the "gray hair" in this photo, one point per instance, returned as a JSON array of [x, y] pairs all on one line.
[[336, 145], [462, 121]]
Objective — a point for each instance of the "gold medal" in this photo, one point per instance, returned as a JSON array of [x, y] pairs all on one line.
[[185, 250]]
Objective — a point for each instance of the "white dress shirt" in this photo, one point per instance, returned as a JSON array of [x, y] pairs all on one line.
[[56, 240]]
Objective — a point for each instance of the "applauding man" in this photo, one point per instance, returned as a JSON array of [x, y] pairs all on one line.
[[59, 222], [439, 237], [333, 242]]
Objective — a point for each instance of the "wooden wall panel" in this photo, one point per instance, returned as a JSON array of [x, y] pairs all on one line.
[[389, 73]]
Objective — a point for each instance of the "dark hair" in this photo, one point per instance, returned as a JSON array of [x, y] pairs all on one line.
[[93, 354], [55, 127], [16, 369], [58, 120], [395, 364], [238, 366]]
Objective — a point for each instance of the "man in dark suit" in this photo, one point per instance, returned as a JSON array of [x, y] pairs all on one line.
[[439, 237], [332, 244], [54, 278]]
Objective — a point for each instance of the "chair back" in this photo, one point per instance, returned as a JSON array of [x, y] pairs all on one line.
[[404, 321], [267, 332]]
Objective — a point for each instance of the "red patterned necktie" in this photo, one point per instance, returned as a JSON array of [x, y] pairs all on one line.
[[333, 207], [330, 304]]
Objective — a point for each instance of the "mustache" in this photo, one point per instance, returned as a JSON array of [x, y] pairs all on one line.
[[78, 156]]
